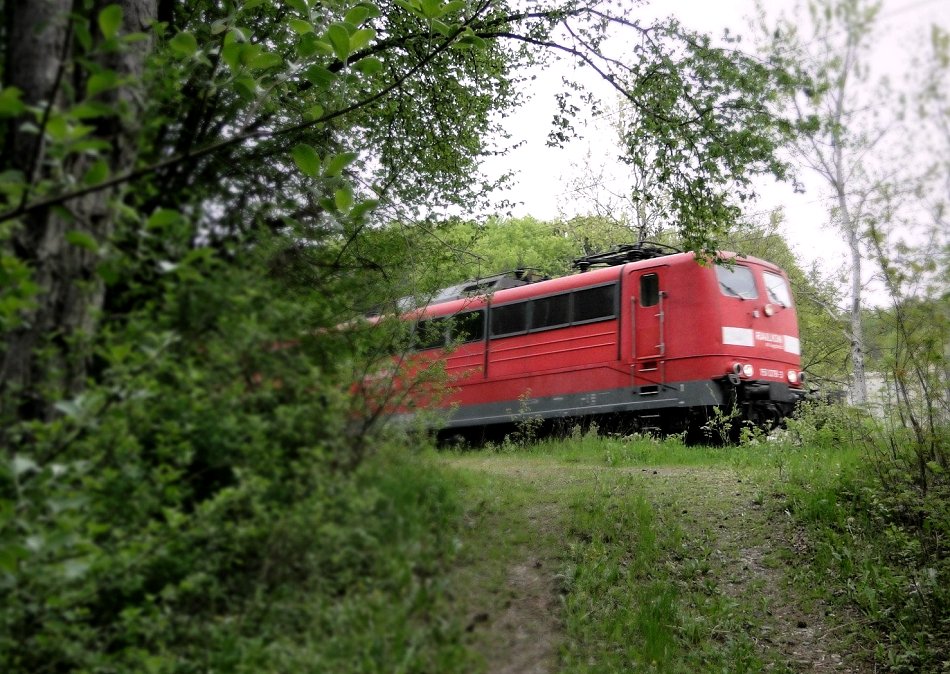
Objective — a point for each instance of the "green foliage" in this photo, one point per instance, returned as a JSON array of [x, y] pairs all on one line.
[[204, 508], [881, 531], [708, 110]]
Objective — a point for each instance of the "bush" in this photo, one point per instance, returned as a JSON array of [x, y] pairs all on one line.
[[201, 507], [883, 531]]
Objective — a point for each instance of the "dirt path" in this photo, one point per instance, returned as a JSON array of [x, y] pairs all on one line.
[[750, 549], [741, 542]]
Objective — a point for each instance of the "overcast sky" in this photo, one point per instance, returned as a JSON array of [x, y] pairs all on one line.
[[541, 187]]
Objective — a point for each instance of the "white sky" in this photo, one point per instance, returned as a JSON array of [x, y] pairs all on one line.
[[543, 175]]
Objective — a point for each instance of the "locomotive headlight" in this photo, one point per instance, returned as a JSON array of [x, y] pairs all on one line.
[[769, 310], [792, 377], [748, 370]]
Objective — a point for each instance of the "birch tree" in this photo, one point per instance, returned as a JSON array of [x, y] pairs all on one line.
[[848, 117]]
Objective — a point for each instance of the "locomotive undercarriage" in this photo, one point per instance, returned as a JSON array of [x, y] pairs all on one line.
[[714, 410], [759, 403]]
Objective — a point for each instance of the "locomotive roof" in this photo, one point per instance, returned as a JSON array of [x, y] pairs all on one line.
[[537, 288]]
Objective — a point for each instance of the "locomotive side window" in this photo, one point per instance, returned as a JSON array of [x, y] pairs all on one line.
[[594, 304], [550, 312], [777, 289], [430, 333], [649, 290], [736, 281], [469, 327], [509, 319]]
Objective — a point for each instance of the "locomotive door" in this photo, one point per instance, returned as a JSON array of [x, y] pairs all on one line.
[[648, 343]]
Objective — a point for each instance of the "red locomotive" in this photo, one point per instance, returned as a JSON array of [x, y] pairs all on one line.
[[641, 333]]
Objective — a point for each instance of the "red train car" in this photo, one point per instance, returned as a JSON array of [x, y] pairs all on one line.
[[662, 340]]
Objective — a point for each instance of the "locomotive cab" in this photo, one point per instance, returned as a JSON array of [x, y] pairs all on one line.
[[760, 338]]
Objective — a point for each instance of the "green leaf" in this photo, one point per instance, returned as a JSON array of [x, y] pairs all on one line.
[[101, 81], [369, 65], [319, 76], [236, 34], [431, 9], [82, 240], [357, 15], [110, 271], [411, 7], [131, 38], [162, 218], [442, 28], [307, 160], [315, 112], [246, 87], [184, 43], [338, 162], [252, 4], [339, 37], [362, 208], [10, 103], [110, 19], [97, 173], [299, 5], [90, 145], [231, 54], [452, 7], [249, 52], [301, 27], [64, 214], [361, 38], [92, 110], [83, 36], [343, 198], [470, 41], [10, 555], [57, 128], [265, 61], [309, 44]]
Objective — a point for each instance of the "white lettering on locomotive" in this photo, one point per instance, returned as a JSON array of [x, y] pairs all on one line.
[[770, 339]]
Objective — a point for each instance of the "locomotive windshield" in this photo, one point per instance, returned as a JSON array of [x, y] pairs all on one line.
[[777, 289], [737, 281]]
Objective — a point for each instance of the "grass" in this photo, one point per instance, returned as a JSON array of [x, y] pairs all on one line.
[[647, 581], [774, 555]]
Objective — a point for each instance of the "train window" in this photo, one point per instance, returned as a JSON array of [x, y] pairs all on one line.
[[430, 333], [777, 289], [595, 304], [549, 312], [509, 319], [649, 290], [736, 281], [469, 327]]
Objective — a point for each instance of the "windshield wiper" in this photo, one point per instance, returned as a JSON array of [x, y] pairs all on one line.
[[733, 291]]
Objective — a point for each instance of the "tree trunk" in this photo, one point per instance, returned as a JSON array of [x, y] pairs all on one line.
[[45, 359], [859, 387]]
